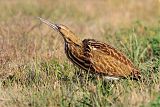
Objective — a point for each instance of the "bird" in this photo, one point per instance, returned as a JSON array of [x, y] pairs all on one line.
[[94, 56]]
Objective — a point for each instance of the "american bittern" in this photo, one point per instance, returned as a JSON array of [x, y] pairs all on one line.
[[95, 56]]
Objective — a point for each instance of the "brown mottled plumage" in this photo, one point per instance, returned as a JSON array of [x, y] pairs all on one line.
[[95, 56]]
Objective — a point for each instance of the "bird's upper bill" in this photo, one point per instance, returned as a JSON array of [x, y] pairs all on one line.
[[52, 25]]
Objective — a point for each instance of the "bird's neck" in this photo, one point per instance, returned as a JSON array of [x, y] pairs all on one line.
[[73, 50], [73, 46]]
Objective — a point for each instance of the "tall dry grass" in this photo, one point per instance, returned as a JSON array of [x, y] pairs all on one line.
[[35, 72]]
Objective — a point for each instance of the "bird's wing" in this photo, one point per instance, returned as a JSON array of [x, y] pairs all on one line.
[[106, 59]]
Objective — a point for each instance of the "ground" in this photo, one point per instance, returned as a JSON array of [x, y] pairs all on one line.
[[34, 70]]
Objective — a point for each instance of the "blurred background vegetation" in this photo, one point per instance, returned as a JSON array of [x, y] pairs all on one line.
[[34, 70]]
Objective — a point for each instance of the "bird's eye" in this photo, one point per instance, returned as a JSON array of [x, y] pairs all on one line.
[[58, 26]]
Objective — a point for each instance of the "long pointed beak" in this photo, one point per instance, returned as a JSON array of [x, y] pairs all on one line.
[[52, 25]]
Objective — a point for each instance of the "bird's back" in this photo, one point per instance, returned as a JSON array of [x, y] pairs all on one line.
[[107, 60]]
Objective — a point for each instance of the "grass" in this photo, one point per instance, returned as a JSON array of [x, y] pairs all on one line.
[[34, 71]]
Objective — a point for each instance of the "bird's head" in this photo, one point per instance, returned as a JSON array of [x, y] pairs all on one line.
[[66, 33]]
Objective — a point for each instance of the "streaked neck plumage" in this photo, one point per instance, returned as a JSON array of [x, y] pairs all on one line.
[[73, 45]]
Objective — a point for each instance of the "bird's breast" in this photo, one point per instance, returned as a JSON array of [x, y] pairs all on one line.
[[76, 56]]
